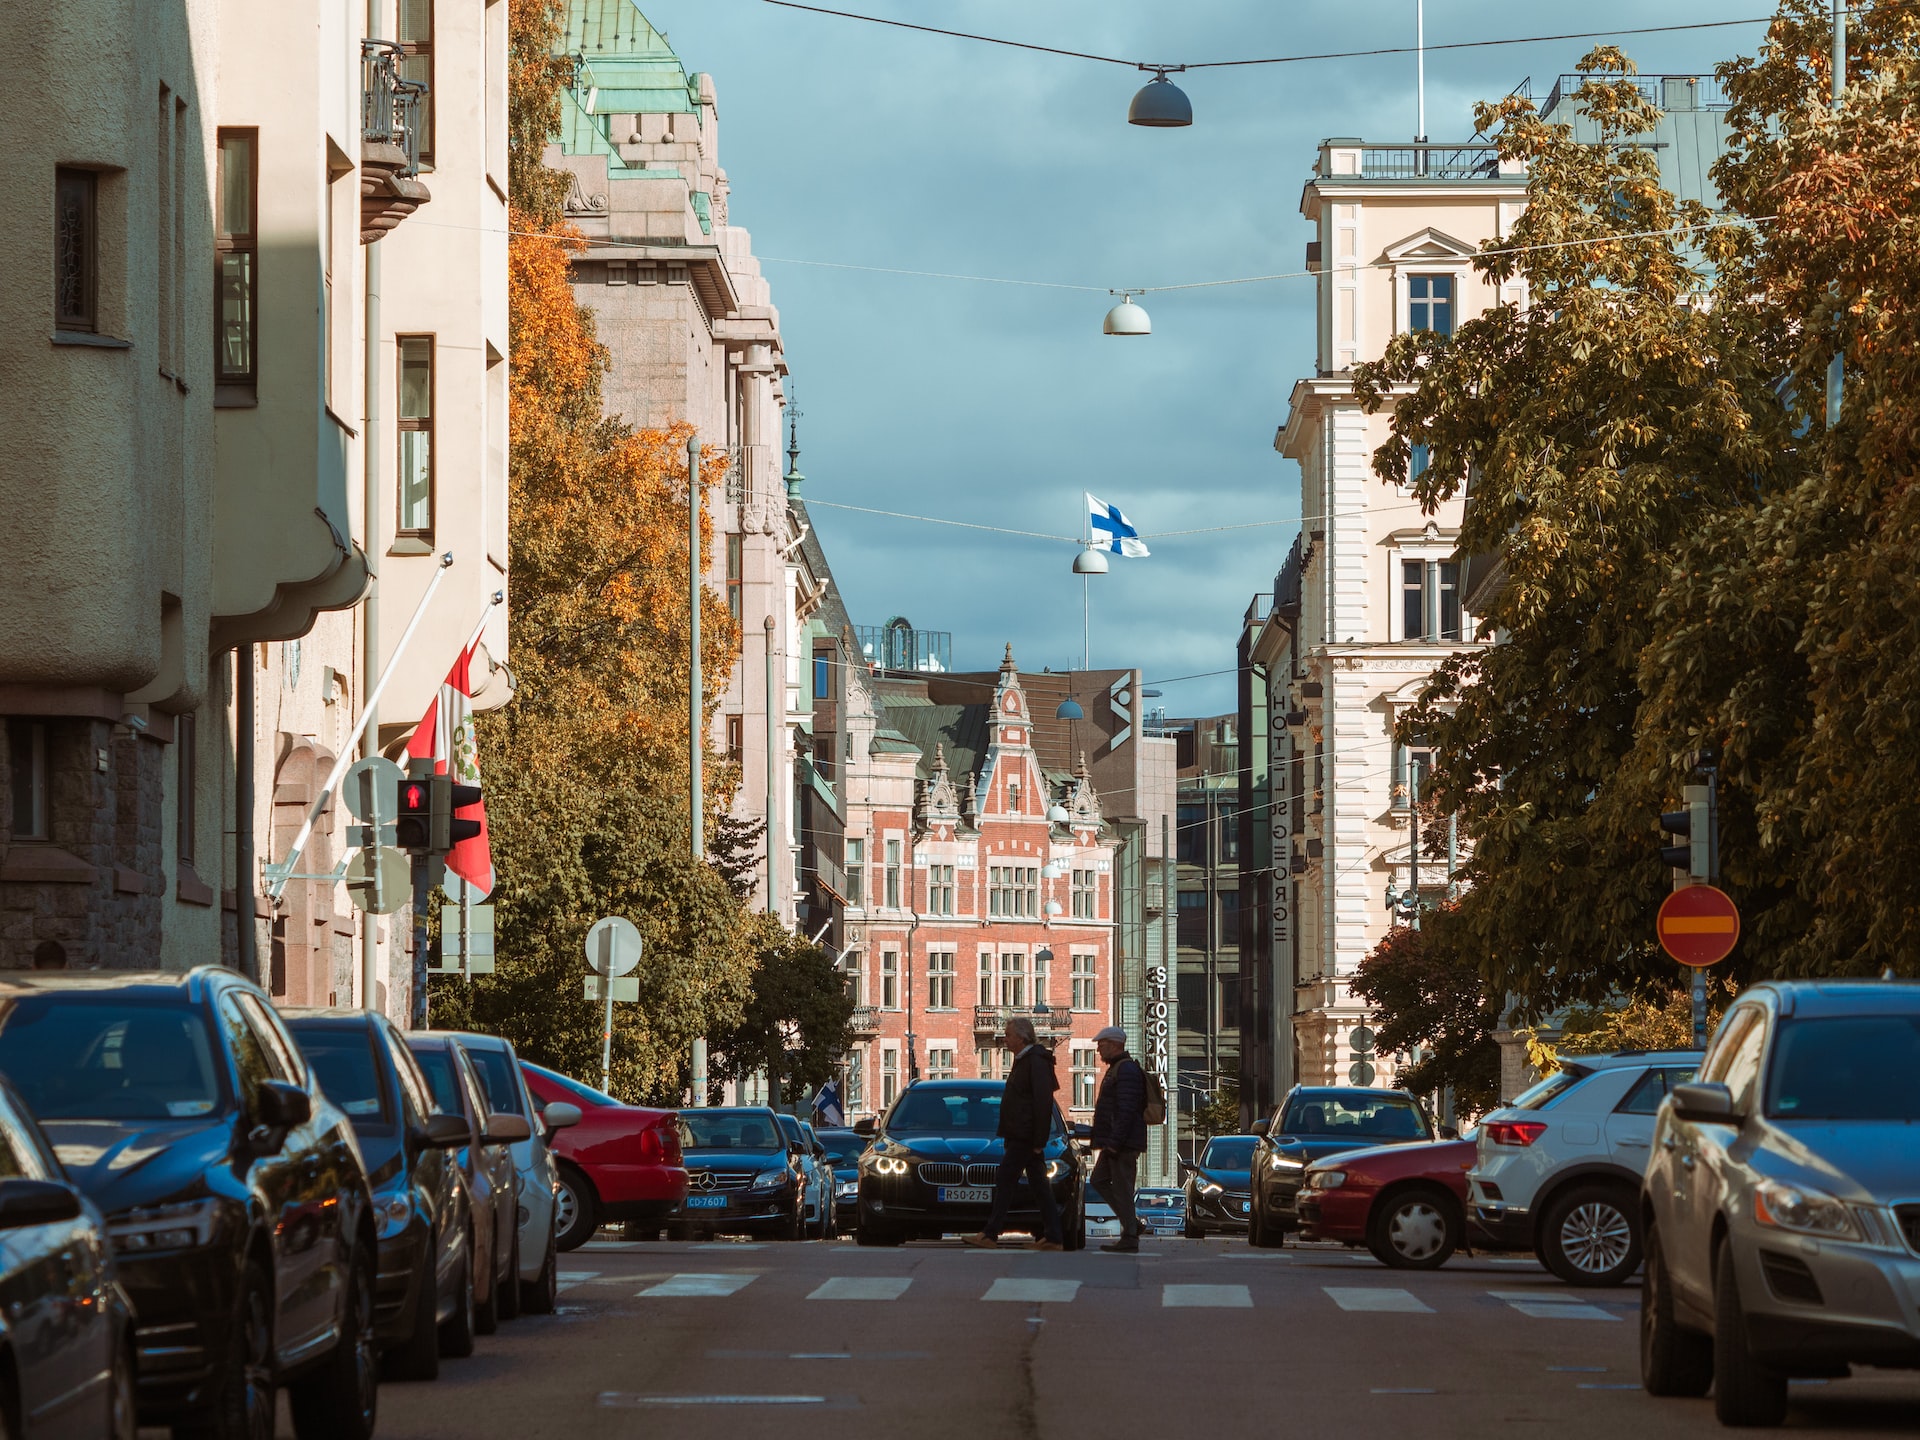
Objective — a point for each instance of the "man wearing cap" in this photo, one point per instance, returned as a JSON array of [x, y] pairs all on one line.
[[1119, 1134]]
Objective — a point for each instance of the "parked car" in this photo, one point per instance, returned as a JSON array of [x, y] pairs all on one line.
[[234, 1193], [1102, 1223], [1161, 1211], [1311, 1123], [844, 1148], [1218, 1189], [744, 1175], [1405, 1203], [536, 1175], [486, 1159], [423, 1297], [1783, 1200], [930, 1170], [617, 1163], [66, 1342], [1559, 1169], [816, 1169]]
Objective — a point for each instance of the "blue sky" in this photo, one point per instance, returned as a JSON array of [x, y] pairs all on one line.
[[864, 145]]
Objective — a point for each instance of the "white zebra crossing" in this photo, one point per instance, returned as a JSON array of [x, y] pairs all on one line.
[[687, 1286], [570, 1278], [863, 1287], [1033, 1291], [1226, 1297], [1378, 1298], [1546, 1305]]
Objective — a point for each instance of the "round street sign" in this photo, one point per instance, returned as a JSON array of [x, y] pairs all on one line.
[[372, 789], [613, 946], [1698, 925], [379, 879]]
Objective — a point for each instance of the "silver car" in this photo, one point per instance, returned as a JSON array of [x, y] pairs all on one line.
[[1782, 1202]]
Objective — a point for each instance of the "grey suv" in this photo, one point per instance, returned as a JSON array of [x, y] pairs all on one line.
[[1782, 1203]]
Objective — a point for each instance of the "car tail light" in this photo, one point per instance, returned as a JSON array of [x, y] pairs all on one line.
[[650, 1146], [1515, 1132], [669, 1132]]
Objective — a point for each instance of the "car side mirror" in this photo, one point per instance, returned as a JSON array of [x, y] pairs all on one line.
[[863, 1127], [1187, 1167], [1260, 1127], [559, 1115], [1447, 1132], [1704, 1101], [508, 1129], [36, 1202], [280, 1106], [444, 1132]]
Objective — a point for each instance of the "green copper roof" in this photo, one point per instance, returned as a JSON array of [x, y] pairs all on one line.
[[629, 62]]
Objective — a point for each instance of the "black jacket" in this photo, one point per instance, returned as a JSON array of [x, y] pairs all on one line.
[[1026, 1107], [1120, 1110]]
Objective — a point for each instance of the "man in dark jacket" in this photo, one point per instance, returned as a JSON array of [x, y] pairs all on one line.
[[1119, 1134], [1026, 1120]]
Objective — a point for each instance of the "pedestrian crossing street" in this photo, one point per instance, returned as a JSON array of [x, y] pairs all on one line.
[[1537, 1304]]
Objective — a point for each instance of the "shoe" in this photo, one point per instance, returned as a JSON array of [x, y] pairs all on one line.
[[1049, 1245], [982, 1241], [1125, 1245]]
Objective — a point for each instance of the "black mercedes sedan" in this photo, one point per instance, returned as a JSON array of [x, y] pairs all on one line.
[[743, 1175], [1313, 1121], [1218, 1187], [234, 1192], [930, 1169]]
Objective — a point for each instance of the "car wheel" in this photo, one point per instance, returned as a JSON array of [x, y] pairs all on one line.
[[456, 1335], [508, 1288], [123, 1411], [1415, 1230], [1262, 1233], [578, 1208], [244, 1406], [541, 1295], [1194, 1232], [418, 1356], [1745, 1392], [1591, 1236], [1673, 1361], [341, 1400]]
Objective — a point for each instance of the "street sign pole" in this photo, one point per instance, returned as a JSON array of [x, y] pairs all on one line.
[[613, 950], [422, 888], [606, 1034]]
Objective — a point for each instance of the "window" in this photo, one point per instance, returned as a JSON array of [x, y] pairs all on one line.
[[940, 980], [1430, 303], [1042, 968], [164, 219], [27, 778], [76, 248], [1084, 997], [856, 872], [735, 575], [822, 678], [1229, 918], [940, 889], [416, 38], [1429, 600], [986, 978], [1191, 847], [1229, 832], [889, 1074], [1419, 457], [1013, 979], [1411, 766], [857, 1080], [940, 1062], [1085, 886], [235, 260], [185, 761], [1736, 1060], [889, 980], [1645, 1097], [416, 434], [736, 737], [893, 874], [1190, 920], [824, 756], [1085, 1077], [1013, 890]]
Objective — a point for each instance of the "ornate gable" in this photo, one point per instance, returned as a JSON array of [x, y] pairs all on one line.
[[938, 813]]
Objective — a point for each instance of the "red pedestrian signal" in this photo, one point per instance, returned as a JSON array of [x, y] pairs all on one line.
[[413, 822]]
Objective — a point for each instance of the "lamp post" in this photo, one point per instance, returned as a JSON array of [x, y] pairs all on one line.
[[696, 727]]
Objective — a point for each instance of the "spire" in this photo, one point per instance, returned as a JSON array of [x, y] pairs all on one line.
[[1007, 667], [793, 476], [1080, 770]]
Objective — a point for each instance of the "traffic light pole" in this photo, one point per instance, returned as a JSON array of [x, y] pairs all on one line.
[[422, 862], [696, 737]]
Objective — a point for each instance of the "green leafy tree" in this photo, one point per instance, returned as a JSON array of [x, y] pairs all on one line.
[[795, 1023], [1425, 1000]]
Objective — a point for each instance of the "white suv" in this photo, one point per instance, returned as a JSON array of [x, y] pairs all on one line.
[[1560, 1168]]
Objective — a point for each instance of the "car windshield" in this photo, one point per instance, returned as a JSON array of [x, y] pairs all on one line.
[[74, 1058], [495, 1068], [729, 1130], [585, 1093], [1538, 1097], [1856, 1067], [343, 1059], [939, 1110], [844, 1148], [1356, 1115], [1232, 1153], [790, 1127]]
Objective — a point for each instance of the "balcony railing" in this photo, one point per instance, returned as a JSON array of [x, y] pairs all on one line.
[[866, 1020], [391, 111], [992, 1019], [832, 878], [1669, 92], [1419, 161]]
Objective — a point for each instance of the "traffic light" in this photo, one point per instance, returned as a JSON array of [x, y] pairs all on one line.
[[425, 822], [413, 816], [1697, 826]]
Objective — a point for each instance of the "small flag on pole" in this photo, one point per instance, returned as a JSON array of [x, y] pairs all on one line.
[[827, 1107], [445, 736], [1113, 531]]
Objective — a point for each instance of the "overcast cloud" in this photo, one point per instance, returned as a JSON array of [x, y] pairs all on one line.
[[864, 145]]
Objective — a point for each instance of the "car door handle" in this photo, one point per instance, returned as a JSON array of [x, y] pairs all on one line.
[[1636, 1144]]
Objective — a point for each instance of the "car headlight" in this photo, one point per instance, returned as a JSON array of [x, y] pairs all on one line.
[[1805, 1212], [392, 1212], [1209, 1189], [1284, 1165], [766, 1179], [1056, 1168], [888, 1165], [164, 1227], [1327, 1179]]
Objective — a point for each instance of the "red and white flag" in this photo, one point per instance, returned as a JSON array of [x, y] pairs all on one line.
[[445, 736]]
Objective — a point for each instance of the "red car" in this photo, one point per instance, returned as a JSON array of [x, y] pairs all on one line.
[[1405, 1203], [621, 1162]]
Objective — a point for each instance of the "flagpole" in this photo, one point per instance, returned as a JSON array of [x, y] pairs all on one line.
[[1086, 599]]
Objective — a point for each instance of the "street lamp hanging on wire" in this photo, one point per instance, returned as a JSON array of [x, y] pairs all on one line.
[[1160, 103]]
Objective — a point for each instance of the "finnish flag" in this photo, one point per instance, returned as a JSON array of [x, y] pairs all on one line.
[[1113, 531], [827, 1107]]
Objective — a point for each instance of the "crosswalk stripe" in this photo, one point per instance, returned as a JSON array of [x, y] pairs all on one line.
[[570, 1278], [1376, 1297], [1031, 1291], [863, 1287], [1231, 1297], [1536, 1310], [677, 1286]]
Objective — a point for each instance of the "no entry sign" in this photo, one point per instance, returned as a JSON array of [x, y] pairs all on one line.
[[1698, 925]]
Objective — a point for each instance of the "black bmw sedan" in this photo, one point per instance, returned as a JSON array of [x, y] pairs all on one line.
[[930, 1169]]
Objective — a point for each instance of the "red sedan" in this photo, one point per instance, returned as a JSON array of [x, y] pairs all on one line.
[[1405, 1203], [621, 1162]]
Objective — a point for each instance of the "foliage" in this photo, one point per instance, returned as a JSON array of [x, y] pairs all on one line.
[[796, 1023], [1220, 1114], [1660, 1020], [1425, 1000]]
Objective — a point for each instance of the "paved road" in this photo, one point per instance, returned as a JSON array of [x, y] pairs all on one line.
[[1189, 1338]]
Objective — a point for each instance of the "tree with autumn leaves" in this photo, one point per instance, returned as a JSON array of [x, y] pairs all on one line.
[[586, 769], [1697, 564]]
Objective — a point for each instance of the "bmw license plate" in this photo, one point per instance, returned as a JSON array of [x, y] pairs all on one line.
[[706, 1202], [966, 1195]]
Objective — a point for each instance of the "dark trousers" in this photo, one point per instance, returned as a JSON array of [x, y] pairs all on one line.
[[1032, 1164], [1114, 1176]]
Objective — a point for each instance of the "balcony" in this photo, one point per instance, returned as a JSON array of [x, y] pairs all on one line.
[[1051, 1020], [866, 1020], [1418, 161], [390, 122]]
